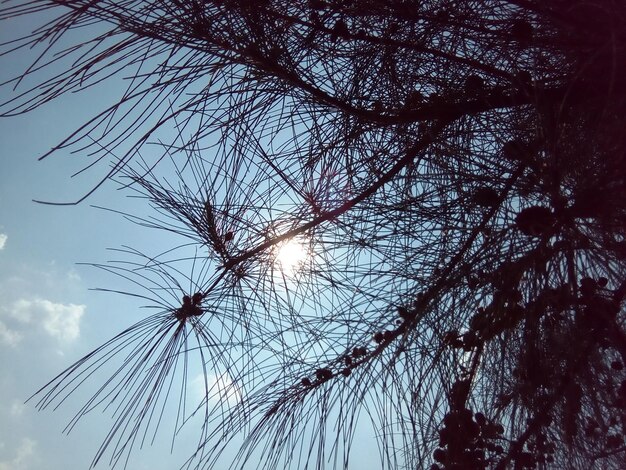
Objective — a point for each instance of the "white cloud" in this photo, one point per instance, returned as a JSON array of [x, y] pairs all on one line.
[[23, 456], [8, 336], [61, 321], [21, 311], [17, 408], [73, 276], [3, 240]]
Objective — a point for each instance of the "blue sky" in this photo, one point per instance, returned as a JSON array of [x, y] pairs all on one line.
[[48, 316]]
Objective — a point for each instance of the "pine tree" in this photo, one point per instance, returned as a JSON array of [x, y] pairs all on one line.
[[453, 173]]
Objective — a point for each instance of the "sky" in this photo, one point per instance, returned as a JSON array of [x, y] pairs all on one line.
[[49, 317], [49, 314]]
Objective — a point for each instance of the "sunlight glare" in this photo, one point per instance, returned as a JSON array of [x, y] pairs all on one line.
[[290, 255]]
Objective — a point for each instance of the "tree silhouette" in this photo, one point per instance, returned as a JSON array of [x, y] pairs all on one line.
[[454, 172]]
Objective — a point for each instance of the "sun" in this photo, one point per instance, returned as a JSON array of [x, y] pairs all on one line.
[[290, 255]]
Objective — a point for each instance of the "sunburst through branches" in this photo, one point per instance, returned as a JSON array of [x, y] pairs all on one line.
[[290, 255]]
